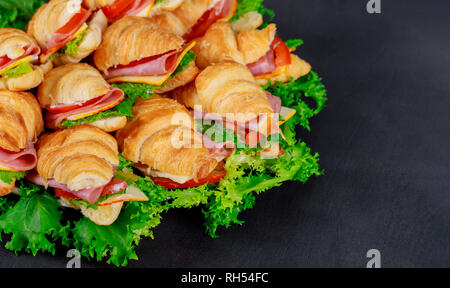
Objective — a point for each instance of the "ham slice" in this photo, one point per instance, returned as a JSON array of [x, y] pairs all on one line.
[[151, 66], [218, 151], [138, 6], [264, 65], [64, 34], [24, 160], [90, 195], [30, 50], [114, 96]]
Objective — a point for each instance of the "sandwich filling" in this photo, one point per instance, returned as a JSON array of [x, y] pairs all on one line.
[[21, 65], [122, 8]]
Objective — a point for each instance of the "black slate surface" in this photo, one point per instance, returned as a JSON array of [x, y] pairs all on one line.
[[384, 144]]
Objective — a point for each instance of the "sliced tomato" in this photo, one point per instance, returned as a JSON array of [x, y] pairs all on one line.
[[64, 194], [62, 108], [222, 10], [114, 186], [4, 60], [118, 9], [214, 177], [282, 52], [64, 34]]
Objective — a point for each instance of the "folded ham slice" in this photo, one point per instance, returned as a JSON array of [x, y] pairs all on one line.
[[90, 195], [151, 66], [116, 95], [24, 160], [30, 50], [138, 6], [264, 65]]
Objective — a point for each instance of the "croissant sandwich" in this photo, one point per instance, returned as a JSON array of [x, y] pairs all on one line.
[[75, 94], [80, 164], [117, 9], [193, 18], [162, 143], [65, 31], [264, 53], [20, 125], [134, 50], [19, 61]]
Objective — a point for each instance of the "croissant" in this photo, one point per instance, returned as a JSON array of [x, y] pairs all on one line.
[[20, 48], [254, 44], [162, 138], [187, 95], [131, 39], [46, 24], [217, 46], [82, 89], [20, 120], [20, 124], [229, 89], [81, 157], [182, 19], [298, 68]]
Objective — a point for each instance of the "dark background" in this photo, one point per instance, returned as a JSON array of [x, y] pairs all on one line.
[[384, 144]]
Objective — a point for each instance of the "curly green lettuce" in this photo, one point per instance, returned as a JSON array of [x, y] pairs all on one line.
[[73, 46], [17, 13], [34, 222], [246, 6], [10, 176]]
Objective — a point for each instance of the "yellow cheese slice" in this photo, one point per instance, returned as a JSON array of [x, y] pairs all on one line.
[[152, 80], [8, 169], [81, 30], [90, 113], [15, 64], [278, 72], [287, 114], [132, 194]]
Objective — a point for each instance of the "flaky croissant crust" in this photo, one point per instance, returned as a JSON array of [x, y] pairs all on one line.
[[229, 89], [254, 44], [50, 17], [81, 157], [13, 41], [20, 120], [147, 139], [97, 4], [133, 38], [71, 83]]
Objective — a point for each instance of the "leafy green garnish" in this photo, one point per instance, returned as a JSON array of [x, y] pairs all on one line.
[[73, 46], [294, 43], [187, 59], [137, 90], [17, 13], [245, 6], [23, 68], [9, 176], [34, 223]]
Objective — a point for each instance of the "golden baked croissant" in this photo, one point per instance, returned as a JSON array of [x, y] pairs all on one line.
[[187, 95], [20, 125], [19, 54], [230, 90], [76, 91], [58, 22], [254, 44], [217, 46], [161, 141], [80, 158]]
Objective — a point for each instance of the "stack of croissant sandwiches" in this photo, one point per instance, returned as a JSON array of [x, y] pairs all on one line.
[[61, 119]]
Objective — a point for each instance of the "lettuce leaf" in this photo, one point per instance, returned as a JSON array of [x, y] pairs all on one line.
[[294, 43], [23, 68], [187, 59], [9, 176], [245, 6], [73, 46], [17, 13], [34, 222]]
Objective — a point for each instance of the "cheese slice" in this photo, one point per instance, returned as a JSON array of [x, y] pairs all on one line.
[[15, 64], [90, 113], [176, 178], [287, 114], [8, 169], [153, 80], [132, 194], [278, 72], [81, 30]]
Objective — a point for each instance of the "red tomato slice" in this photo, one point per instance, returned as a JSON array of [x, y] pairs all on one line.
[[4, 60], [64, 34], [118, 9], [282, 52], [114, 186], [214, 177], [64, 194], [219, 11], [61, 108]]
